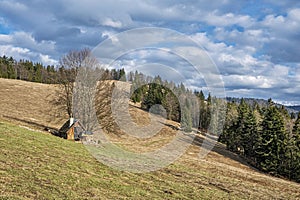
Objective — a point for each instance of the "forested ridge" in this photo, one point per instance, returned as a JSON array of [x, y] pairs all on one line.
[[267, 136], [37, 72]]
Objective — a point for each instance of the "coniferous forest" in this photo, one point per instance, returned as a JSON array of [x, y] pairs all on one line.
[[36, 72], [267, 136]]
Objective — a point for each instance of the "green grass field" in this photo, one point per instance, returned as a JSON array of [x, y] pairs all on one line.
[[35, 165]]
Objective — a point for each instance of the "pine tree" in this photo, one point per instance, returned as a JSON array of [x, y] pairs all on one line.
[[186, 117], [272, 141], [153, 96], [246, 129], [295, 152], [122, 75], [230, 126], [137, 95], [202, 110], [293, 115], [208, 112], [171, 104]]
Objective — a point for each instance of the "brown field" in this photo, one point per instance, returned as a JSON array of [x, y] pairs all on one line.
[[220, 175], [30, 104]]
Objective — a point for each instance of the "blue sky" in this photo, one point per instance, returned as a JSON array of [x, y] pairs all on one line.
[[254, 44]]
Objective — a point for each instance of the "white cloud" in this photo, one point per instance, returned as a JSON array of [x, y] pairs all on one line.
[[13, 51], [22, 45], [5, 39], [13, 6], [26, 41], [112, 23], [24, 53], [283, 34], [249, 76], [284, 25], [227, 19], [247, 81], [47, 60]]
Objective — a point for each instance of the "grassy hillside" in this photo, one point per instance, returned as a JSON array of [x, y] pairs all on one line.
[[37, 165]]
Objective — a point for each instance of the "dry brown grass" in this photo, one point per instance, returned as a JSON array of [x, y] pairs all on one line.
[[30, 104], [220, 174]]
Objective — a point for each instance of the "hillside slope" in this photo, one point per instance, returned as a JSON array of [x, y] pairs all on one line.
[[35, 165], [30, 104]]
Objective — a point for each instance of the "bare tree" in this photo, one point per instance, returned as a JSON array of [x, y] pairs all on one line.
[[85, 91], [69, 66]]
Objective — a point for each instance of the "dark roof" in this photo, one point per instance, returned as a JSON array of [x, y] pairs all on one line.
[[67, 126]]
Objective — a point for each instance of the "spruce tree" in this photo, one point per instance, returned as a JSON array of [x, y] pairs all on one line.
[[186, 118], [202, 110], [295, 152], [246, 129], [171, 104], [153, 96], [272, 141], [230, 126], [208, 112]]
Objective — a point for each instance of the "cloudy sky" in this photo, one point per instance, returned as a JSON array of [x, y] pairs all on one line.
[[254, 44]]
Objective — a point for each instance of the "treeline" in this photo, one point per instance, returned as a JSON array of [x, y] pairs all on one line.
[[27, 70], [268, 137], [182, 105], [37, 72]]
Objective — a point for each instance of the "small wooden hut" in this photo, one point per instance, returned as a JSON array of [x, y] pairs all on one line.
[[72, 130]]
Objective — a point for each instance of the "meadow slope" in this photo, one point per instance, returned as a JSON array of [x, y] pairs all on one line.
[[37, 165], [30, 104]]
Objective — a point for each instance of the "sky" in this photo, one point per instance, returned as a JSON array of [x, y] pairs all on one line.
[[255, 45]]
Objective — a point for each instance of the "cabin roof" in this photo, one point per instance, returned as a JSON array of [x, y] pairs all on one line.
[[67, 126]]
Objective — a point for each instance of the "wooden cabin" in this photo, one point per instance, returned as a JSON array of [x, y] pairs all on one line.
[[72, 130]]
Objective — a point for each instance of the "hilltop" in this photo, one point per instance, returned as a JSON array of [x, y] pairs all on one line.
[[39, 165]]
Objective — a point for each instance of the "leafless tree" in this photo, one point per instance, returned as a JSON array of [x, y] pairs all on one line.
[[84, 93], [69, 66], [86, 90]]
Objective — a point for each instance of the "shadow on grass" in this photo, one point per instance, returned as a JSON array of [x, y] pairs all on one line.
[[219, 148], [33, 124], [171, 126]]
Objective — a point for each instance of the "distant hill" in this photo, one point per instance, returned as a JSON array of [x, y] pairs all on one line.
[[262, 103], [294, 108], [250, 101]]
